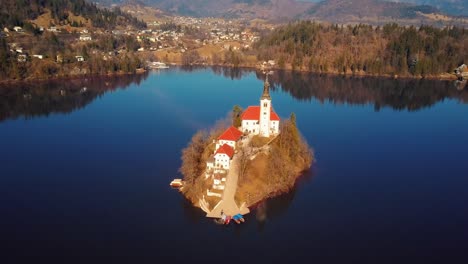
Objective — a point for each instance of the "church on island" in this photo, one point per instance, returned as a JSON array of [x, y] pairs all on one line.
[[259, 120]]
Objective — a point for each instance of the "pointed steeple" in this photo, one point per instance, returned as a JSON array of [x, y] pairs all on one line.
[[266, 89]]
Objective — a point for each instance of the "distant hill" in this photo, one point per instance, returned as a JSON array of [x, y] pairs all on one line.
[[269, 9], [19, 12], [355, 10], [452, 7], [341, 11]]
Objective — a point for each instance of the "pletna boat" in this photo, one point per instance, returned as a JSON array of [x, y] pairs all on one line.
[[238, 218], [176, 183]]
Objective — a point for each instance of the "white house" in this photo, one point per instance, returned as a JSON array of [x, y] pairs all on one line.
[[223, 156], [85, 37], [219, 181], [230, 137], [79, 58], [18, 29], [261, 120], [210, 164], [53, 29], [22, 57]]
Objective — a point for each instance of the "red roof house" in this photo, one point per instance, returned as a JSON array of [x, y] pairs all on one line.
[[225, 149]]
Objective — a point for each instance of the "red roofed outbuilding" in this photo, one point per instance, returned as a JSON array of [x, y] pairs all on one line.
[[230, 137]]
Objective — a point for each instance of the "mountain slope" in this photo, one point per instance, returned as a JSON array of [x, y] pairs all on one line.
[[346, 10], [17, 12], [342, 11], [452, 7], [270, 9]]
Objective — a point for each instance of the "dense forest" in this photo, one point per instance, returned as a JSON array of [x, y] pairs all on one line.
[[365, 49], [18, 12]]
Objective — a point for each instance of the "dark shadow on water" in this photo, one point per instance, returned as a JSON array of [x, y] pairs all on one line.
[[233, 73], [274, 208], [397, 94], [33, 99], [262, 213], [193, 214], [42, 98]]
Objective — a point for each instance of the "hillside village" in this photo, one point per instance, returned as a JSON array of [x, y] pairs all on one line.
[[175, 35], [51, 43], [79, 44]]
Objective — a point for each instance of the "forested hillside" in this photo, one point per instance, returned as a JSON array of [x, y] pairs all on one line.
[[43, 39], [18, 12], [390, 49]]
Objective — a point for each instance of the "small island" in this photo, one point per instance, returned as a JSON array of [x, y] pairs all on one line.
[[230, 168]]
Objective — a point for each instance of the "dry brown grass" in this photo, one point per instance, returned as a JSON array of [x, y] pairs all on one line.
[[45, 20], [258, 141], [169, 56], [86, 22], [209, 50], [254, 186]]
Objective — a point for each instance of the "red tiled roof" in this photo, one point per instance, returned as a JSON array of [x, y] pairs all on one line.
[[225, 149], [232, 134], [274, 116], [253, 113]]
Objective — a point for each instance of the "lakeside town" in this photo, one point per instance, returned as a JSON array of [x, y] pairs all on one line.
[[163, 41], [61, 45]]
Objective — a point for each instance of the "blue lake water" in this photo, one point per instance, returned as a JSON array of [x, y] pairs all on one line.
[[85, 167]]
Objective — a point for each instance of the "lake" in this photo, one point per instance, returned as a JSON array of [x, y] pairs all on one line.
[[86, 165]]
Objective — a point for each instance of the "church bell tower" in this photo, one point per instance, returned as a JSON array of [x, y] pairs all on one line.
[[265, 110]]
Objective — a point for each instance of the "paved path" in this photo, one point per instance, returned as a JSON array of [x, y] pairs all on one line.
[[228, 204]]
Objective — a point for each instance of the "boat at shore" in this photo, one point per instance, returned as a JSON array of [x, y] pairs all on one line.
[[176, 183], [158, 65], [462, 72]]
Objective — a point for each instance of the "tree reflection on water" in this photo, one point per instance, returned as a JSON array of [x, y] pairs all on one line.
[[398, 94], [33, 99]]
